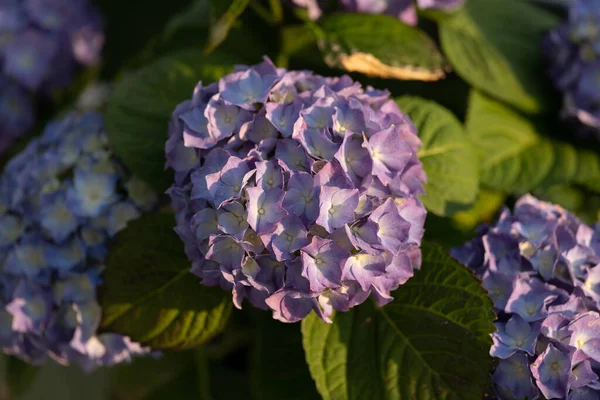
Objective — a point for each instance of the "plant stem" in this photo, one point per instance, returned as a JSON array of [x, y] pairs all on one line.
[[276, 10], [262, 12]]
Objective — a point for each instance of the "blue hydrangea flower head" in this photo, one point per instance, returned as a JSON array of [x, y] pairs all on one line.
[[404, 10], [295, 191], [541, 265], [41, 44], [573, 53], [61, 199]]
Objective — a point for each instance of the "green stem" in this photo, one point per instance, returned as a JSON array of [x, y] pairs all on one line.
[[276, 10], [203, 372], [262, 12]]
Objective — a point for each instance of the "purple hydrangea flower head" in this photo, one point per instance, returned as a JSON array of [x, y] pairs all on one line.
[[273, 195], [41, 44], [404, 10], [61, 199], [540, 266], [573, 53]]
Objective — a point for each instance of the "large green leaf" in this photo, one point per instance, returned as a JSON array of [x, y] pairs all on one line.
[[379, 45], [431, 342], [19, 376], [447, 155], [141, 105], [517, 158], [149, 293], [278, 366], [496, 46]]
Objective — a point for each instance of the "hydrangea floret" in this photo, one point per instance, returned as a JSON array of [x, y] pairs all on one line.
[[541, 267], [61, 199], [295, 191], [41, 44], [573, 53], [404, 10]]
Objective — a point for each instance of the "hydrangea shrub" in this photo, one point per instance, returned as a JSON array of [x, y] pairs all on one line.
[[61, 200], [541, 267], [573, 53], [404, 10], [295, 191], [41, 44]]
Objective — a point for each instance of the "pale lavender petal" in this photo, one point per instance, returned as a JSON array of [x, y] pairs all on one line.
[[228, 182], [291, 305], [364, 268], [393, 230], [289, 236], [585, 334], [389, 152], [264, 209], [551, 371], [336, 207], [225, 251], [354, 159], [269, 175], [512, 378], [323, 261], [232, 219], [283, 116]]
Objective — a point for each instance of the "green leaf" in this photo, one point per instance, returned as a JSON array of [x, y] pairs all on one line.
[[146, 375], [149, 293], [278, 364], [196, 17], [447, 155], [495, 46], [19, 376], [517, 158], [299, 46], [220, 30], [565, 164], [584, 204], [378, 45], [140, 108], [484, 210], [431, 342], [124, 37], [588, 170], [457, 230], [54, 381]]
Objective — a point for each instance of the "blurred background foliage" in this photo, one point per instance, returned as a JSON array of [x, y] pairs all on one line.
[[493, 99]]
